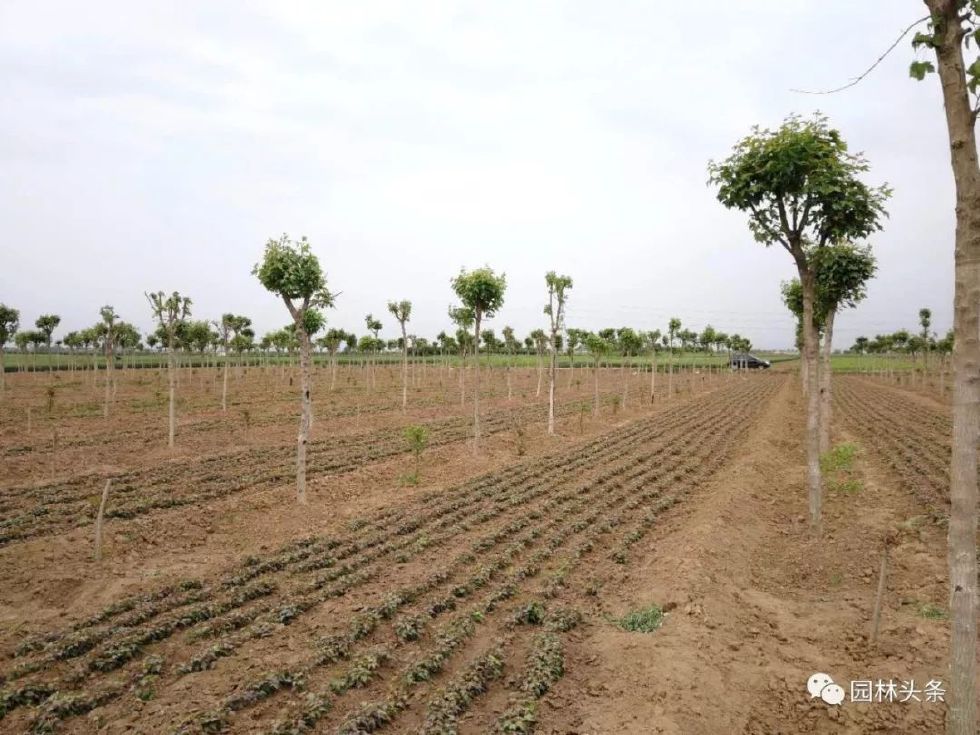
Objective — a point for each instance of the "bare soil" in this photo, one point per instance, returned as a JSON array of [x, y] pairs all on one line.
[[243, 612]]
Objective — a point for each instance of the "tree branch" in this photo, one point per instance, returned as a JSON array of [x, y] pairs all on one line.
[[867, 71]]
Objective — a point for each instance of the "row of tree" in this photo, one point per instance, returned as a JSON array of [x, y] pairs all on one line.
[[234, 335], [923, 343]]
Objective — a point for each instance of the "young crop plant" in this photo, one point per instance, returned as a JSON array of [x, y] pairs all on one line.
[[837, 467], [417, 438], [644, 620]]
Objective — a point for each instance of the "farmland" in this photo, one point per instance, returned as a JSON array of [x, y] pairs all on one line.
[[479, 599]]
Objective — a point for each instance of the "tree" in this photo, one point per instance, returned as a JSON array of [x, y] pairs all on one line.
[[462, 317], [234, 331], [374, 326], [630, 343], [170, 312], [198, 335], [481, 291], [402, 311], [225, 327], [511, 345], [925, 322], [842, 273], [860, 345], [106, 329], [9, 323], [653, 342], [46, 324], [673, 327], [331, 341], [417, 437], [597, 347], [291, 271], [539, 342], [802, 190], [707, 338], [952, 24], [555, 309]]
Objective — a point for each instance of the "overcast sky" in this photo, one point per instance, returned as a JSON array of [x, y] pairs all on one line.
[[157, 146]]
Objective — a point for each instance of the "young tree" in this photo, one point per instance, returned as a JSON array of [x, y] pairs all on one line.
[[332, 341], [171, 313], [417, 437], [925, 322], [511, 345], [630, 343], [225, 327], [652, 343], [952, 24], [802, 190], [106, 330], [291, 271], [842, 273], [9, 323], [235, 332], [598, 348], [481, 291], [673, 327], [462, 317], [539, 341], [555, 309], [402, 311], [373, 346]]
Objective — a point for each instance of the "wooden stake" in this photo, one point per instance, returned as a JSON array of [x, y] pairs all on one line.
[[876, 615], [98, 520]]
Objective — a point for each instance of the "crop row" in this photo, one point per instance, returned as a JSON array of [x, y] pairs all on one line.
[[555, 580], [105, 659], [36, 510], [908, 437]]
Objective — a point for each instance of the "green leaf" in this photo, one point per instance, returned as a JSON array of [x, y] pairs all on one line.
[[923, 39], [919, 69]]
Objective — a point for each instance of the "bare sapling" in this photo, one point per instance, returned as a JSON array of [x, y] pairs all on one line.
[[100, 516]]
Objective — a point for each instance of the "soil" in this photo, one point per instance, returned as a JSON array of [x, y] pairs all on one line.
[[695, 503]]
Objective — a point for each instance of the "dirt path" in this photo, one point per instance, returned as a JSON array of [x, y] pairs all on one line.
[[757, 607]]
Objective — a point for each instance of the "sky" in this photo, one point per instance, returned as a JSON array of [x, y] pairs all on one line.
[[157, 146]]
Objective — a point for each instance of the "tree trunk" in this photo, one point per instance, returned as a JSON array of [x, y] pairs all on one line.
[[824, 372], [960, 122], [108, 381], [552, 376], [510, 387], [804, 374], [653, 376], [595, 395], [3, 370], [404, 369], [476, 384], [224, 383], [172, 386], [628, 365], [462, 380], [810, 349], [540, 374], [305, 413]]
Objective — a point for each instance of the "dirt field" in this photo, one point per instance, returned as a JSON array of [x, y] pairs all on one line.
[[487, 597]]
